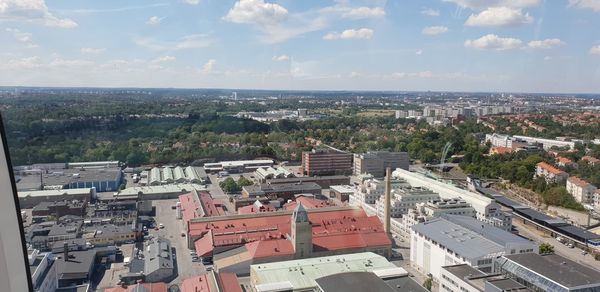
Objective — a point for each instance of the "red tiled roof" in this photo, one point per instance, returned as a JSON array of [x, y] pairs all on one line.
[[204, 246], [189, 207], [564, 160], [269, 248], [148, 287], [250, 209], [502, 150], [590, 159], [332, 229], [196, 284], [308, 203], [578, 182], [211, 206], [229, 282], [550, 168]]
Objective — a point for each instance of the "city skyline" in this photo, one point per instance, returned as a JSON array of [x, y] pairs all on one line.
[[441, 45]]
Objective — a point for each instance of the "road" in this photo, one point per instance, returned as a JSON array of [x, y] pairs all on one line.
[[172, 231], [574, 254]]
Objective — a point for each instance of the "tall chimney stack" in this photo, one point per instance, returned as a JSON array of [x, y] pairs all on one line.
[[66, 251], [387, 201]]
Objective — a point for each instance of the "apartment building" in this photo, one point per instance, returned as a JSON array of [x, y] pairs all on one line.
[[375, 163], [550, 173], [581, 190], [326, 162]]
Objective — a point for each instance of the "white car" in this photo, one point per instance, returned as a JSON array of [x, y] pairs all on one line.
[[161, 226]]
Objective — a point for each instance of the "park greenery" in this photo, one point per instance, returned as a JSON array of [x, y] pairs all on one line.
[[145, 130], [229, 185], [546, 248]]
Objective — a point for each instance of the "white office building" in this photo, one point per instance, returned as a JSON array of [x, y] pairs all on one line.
[[404, 199], [486, 209], [451, 240]]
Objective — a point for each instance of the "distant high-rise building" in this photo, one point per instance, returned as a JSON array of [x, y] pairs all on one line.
[[401, 114], [302, 112], [376, 162], [326, 162]]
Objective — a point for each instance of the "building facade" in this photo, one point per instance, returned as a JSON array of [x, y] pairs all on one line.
[[451, 240], [550, 173], [581, 190], [376, 162], [326, 162]]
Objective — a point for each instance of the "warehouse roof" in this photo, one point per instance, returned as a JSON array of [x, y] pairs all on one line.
[[556, 268], [162, 189], [490, 232], [458, 239], [261, 189], [67, 176], [301, 274], [50, 193]]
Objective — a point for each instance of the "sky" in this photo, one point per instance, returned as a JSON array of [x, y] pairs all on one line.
[[438, 45]]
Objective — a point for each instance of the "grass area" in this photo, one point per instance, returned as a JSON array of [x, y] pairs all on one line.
[[376, 113]]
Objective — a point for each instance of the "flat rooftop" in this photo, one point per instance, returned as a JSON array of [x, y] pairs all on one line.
[[458, 239], [66, 176], [50, 193], [301, 274], [558, 269]]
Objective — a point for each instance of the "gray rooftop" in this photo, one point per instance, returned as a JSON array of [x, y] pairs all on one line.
[[157, 255], [457, 238], [463, 271], [558, 269], [507, 285], [77, 265], [490, 232], [285, 187], [367, 281], [66, 176], [353, 282]]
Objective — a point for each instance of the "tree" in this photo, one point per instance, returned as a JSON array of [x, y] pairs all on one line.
[[427, 284], [546, 248], [229, 185], [242, 182]]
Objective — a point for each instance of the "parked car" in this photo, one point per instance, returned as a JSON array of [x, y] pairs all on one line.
[[161, 226]]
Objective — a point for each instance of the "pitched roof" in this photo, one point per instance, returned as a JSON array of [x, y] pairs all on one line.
[[549, 168], [579, 182]]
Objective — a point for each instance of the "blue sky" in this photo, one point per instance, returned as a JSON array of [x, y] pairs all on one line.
[[470, 45]]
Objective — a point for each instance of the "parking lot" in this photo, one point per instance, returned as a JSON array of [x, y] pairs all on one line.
[[173, 228]]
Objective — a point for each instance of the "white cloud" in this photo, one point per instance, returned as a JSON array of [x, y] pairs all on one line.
[[363, 12], [545, 44], [430, 12], [154, 20], [22, 37], [586, 4], [192, 2], [256, 12], [24, 63], [434, 30], [32, 11], [194, 41], [499, 16], [281, 58], [493, 42], [92, 50], [274, 21], [209, 66], [483, 4], [419, 52], [547, 58], [595, 50], [163, 59], [362, 33]]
